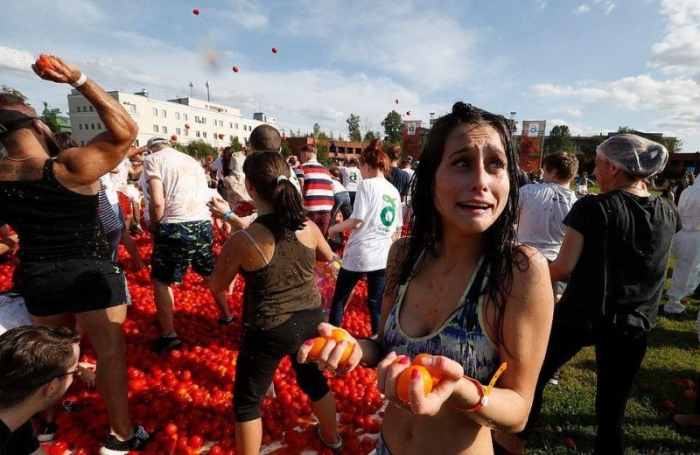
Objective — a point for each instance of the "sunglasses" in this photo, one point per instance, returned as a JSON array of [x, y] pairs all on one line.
[[16, 124]]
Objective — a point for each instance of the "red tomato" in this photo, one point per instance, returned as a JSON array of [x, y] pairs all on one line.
[[235, 69], [44, 63]]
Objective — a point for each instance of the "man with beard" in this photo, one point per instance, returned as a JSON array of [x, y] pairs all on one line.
[[66, 272]]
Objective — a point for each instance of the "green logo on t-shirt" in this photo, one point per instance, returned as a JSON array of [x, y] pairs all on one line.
[[352, 178], [389, 211]]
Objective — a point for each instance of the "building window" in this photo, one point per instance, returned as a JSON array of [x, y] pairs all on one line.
[[80, 126], [185, 116], [155, 111], [198, 134], [205, 134], [99, 126], [230, 125], [82, 143], [187, 132], [177, 116], [92, 126], [177, 131], [156, 129], [163, 113], [91, 109], [165, 129], [221, 123], [204, 120], [132, 108], [236, 125]]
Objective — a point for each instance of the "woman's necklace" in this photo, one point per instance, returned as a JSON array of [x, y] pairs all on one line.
[[24, 159]]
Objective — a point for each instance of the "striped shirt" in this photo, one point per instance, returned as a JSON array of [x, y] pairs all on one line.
[[318, 187]]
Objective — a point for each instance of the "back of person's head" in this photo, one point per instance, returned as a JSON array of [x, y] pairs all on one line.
[[269, 174], [335, 172], [156, 144], [406, 163], [638, 156], [374, 157], [30, 357], [265, 137], [309, 150], [394, 152], [563, 163], [353, 162]]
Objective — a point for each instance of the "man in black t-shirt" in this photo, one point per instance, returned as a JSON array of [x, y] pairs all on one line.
[[616, 251], [37, 364]]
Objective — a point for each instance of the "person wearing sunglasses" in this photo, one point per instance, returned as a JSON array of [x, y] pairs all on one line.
[[50, 197], [37, 365]]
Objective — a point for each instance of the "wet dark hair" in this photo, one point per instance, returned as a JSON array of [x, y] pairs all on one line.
[[563, 163], [268, 172], [500, 251], [374, 157], [31, 356]]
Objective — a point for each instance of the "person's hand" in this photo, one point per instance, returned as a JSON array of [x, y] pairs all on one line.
[[329, 357], [86, 374], [449, 371], [52, 68], [218, 207], [133, 151]]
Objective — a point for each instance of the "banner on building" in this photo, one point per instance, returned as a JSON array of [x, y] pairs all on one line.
[[412, 128], [532, 144]]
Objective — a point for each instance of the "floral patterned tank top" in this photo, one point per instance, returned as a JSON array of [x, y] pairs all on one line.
[[460, 338]]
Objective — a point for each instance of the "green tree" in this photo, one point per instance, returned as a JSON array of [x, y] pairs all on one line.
[[317, 130], [392, 128], [673, 145], [197, 149], [236, 144], [625, 130], [322, 156], [371, 135], [50, 116], [559, 140], [286, 148], [354, 128]]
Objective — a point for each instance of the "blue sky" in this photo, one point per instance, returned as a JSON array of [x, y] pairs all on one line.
[[593, 65]]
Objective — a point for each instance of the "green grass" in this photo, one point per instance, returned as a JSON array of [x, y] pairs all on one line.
[[568, 411]]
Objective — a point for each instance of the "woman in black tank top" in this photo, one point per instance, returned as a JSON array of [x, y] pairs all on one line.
[[275, 256]]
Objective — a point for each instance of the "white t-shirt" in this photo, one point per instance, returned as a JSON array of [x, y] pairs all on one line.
[[351, 177], [338, 187], [543, 207], [110, 190], [146, 196], [378, 205], [120, 178], [408, 171], [218, 166], [184, 184]]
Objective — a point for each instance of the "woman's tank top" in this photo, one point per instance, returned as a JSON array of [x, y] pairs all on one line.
[[285, 285], [460, 338]]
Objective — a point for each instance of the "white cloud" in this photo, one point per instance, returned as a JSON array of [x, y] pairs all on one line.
[[248, 14], [679, 51], [609, 7], [581, 9], [541, 4]]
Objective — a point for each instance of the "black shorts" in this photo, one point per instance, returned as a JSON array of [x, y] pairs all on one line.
[[177, 245], [70, 286], [262, 351]]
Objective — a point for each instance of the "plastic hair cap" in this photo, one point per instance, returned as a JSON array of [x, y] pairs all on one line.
[[638, 156]]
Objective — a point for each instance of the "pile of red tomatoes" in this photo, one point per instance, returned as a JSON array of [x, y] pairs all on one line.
[[184, 397]]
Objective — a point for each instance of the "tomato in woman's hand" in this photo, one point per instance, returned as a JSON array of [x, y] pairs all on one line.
[[337, 335], [404, 381], [434, 374], [319, 344]]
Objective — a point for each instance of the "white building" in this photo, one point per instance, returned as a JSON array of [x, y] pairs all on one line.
[[182, 120]]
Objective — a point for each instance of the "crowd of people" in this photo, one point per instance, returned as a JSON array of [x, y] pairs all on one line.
[[498, 285]]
